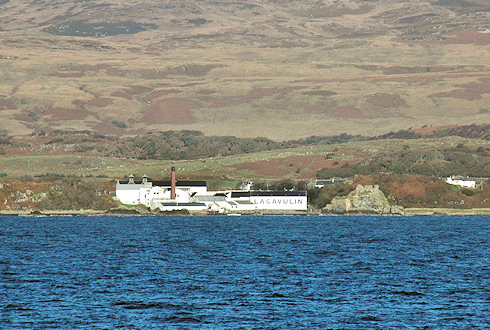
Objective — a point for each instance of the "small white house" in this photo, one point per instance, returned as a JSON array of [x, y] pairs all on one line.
[[320, 183], [462, 181]]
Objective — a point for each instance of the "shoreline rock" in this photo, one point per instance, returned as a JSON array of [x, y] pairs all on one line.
[[363, 200]]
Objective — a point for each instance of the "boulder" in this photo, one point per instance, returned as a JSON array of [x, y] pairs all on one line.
[[19, 197], [363, 200]]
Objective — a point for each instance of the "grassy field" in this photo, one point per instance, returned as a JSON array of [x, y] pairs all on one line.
[[295, 163]]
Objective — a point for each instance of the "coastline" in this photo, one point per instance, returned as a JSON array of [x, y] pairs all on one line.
[[446, 211], [135, 213]]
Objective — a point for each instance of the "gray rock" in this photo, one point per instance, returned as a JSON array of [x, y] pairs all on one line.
[[363, 200], [20, 197]]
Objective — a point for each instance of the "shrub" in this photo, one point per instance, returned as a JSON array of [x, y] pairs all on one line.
[[461, 160], [26, 178], [5, 141], [119, 124], [320, 197], [80, 195], [468, 191], [32, 115]]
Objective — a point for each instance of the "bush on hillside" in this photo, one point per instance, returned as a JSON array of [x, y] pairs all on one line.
[[459, 160], [318, 198], [79, 195]]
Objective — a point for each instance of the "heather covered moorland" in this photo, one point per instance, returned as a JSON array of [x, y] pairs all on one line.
[[278, 69]]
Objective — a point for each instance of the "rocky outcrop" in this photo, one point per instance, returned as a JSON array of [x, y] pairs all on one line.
[[363, 200]]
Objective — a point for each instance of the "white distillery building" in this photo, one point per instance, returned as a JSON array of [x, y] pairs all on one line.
[[149, 193], [193, 196]]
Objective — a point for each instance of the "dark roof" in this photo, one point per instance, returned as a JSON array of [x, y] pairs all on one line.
[[127, 182], [180, 183], [237, 194], [278, 193], [167, 183], [181, 204], [243, 202], [326, 181]]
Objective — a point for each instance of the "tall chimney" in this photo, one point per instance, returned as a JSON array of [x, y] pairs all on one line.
[[172, 184]]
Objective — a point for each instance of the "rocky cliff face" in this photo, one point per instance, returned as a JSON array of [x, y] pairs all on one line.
[[364, 200]]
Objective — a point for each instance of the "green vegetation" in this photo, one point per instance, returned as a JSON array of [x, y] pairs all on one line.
[[33, 115], [189, 145], [53, 175], [230, 158], [443, 162], [426, 191], [119, 124], [75, 196], [85, 29], [286, 184], [468, 131], [447, 211], [319, 197], [5, 140], [408, 171], [318, 140]]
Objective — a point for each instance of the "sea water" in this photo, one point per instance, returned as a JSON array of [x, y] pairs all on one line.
[[244, 272]]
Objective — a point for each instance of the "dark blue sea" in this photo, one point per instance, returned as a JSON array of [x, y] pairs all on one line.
[[245, 272]]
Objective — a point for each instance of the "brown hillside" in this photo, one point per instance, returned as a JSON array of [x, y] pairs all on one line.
[[274, 68]]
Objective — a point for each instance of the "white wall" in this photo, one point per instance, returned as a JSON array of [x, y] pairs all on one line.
[[280, 202], [181, 207], [462, 183], [126, 196]]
